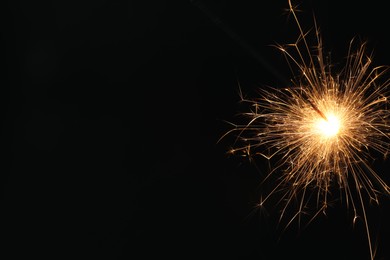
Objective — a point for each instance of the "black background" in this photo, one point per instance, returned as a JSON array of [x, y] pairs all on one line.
[[112, 112]]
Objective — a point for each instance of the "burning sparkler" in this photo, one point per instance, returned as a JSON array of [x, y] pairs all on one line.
[[321, 131]]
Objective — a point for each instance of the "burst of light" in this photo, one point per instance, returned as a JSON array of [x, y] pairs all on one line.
[[328, 127], [321, 131]]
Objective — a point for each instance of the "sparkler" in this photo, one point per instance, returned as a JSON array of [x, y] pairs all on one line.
[[322, 131]]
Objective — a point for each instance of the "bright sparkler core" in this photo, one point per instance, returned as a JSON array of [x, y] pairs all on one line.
[[329, 126]]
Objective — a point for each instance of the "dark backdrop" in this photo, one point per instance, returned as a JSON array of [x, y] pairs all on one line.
[[112, 112]]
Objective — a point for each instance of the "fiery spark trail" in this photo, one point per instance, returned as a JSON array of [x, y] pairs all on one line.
[[321, 131]]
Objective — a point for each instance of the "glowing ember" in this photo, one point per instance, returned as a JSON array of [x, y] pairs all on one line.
[[328, 127]]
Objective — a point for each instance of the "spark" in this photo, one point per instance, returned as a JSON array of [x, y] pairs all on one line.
[[328, 126], [323, 131]]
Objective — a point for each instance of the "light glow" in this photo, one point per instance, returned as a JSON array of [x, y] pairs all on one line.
[[329, 126], [320, 133]]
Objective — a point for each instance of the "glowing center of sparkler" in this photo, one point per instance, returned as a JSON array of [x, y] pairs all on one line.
[[329, 127]]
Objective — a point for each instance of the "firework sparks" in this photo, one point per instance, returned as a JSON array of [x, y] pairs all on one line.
[[322, 131]]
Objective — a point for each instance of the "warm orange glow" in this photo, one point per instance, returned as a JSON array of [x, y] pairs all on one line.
[[327, 127], [319, 133]]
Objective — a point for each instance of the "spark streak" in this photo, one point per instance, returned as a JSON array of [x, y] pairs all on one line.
[[322, 131]]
